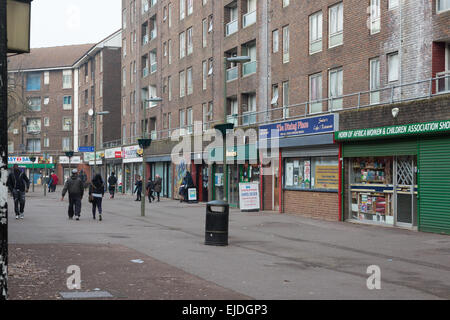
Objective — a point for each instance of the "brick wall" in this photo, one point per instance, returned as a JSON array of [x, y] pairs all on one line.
[[316, 205]]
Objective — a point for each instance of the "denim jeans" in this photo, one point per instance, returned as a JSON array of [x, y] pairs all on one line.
[[19, 201], [96, 203]]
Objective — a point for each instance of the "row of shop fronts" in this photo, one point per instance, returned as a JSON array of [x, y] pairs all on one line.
[[330, 167]]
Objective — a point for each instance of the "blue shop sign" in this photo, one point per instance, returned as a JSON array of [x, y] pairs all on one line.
[[307, 126]]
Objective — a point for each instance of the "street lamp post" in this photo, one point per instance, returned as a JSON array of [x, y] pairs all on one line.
[[145, 143], [94, 114], [225, 126]]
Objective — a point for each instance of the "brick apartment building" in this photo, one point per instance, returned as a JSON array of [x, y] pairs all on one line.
[[97, 77], [42, 88], [309, 62]]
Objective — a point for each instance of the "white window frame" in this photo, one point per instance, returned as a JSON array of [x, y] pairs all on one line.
[[190, 83], [393, 70], [275, 95], [182, 9], [336, 25], [375, 16], [204, 33], [182, 81], [374, 80], [392, 4], [336, 88], [315, 32], [47, 77], [67, 79], [275, 41], [285, 3], [190, 7], [315, 102], [285, 99], [285, 44], [182, 44], [438, 5], [190, 41]]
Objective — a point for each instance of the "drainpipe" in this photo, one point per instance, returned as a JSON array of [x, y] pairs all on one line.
[[340, 191]]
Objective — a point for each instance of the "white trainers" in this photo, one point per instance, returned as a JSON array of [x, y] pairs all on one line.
[[21, 216], [17, 216]]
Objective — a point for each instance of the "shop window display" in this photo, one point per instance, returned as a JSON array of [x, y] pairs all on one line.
[[372, 189], [317, 173]]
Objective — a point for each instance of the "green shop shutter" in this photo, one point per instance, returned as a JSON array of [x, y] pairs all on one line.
[[434, 185], [398, 147]]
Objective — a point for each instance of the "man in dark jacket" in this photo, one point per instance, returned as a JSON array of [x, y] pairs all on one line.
[[150, 188], [96, 192], [157, 185], [18, 184], [112, 181], [138, 188], [75, 187]]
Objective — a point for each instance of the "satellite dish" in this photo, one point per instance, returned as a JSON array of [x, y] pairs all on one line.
[[91, 112]]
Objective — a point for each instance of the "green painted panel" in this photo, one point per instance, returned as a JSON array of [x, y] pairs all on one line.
[[434, 185], [396, 147]]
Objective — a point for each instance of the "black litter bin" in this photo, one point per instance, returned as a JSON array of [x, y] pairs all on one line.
[[216, 226]]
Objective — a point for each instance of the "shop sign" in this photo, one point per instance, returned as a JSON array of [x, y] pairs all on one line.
[[89, 156], [398, 130], [21, 160], [73, 160], [327, 177], [112, 153], [308, 126], [192, 194], [130, 154], [249, 196]]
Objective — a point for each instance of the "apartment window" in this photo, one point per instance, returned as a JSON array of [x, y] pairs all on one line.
[[124, 47], [67, 102], [210, 29], [275, 41], [393, 4], [169, 84], [249, 109], [46, 100], [182, 115], [285, 3], [46, 122], [375, 82], [33, 145], [182, 84], [443, 5], [286, 99], [286, 44], [190, 46], [336, 30], [315, 33], [189, 81], [34, 103], [124, 134], [169, 15], [33, 125], [204, 33], [66, 144], [207, 115], [335, 88], [204, 74], [33, 81], [101, 59], [67, 124], [315, 93], [67, 79], [169, 49], [211, 63], [46, 77], [250, 17], [153, 63], [153, 93], [204, 2], [169, 122], [182, 44], [375, 20], [233, 111], [190, 120], [46, 142], [124, 19], [232, 26], [190, 7], [124, 77], [275, 95], [165, 49], [182, 9], [393, 66], [249, 50]]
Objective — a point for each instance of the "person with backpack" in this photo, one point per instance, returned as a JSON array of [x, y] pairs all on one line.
[[149, 188], [75, 187], [112, 181], [18, 184], [96, 193]]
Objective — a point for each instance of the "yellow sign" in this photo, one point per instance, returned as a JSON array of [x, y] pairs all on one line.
[[327, 177]]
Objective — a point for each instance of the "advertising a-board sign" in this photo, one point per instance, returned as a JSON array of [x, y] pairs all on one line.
[[249, 196]]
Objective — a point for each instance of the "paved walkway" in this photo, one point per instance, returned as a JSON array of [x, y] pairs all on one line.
[[270, 256]]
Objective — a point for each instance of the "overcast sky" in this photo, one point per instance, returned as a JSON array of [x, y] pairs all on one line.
[[65, 22]]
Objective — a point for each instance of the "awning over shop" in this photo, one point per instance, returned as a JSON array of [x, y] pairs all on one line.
[[36, 165]]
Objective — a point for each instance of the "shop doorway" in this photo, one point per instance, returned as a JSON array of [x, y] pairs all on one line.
[[233, 185], [405, 190]]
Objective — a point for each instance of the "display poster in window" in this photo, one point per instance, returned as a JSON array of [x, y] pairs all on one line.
[[289, 174], [327, 177], [219, 179], [249, 196], [307, 174]]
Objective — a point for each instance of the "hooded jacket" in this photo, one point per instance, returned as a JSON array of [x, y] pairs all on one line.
[[74, 186]]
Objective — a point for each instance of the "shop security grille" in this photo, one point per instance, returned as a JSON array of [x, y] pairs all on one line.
[[404, 172]]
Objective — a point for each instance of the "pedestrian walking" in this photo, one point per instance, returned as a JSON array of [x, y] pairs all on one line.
[[18, 184], [75, 187], [138, 188], [50, 182], [83, 178], [157, 185], [112, 182], [54, 181], [150, 188], [96, 193]]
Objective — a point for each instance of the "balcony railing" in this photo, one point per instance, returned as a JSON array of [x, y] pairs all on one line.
[[153, 67], [249, 68], [249, 19], [419, 90], [144, 72], [231, 27], [153, 34], [232, 73]]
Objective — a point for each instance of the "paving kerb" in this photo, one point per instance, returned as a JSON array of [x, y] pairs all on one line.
[[269, 256]]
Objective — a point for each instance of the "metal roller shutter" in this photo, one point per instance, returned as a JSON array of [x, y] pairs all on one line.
[[398, 147], [434, 185]]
